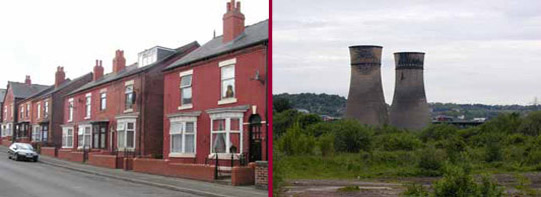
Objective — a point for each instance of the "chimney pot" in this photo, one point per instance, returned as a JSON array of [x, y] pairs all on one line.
[[119, 62], [27, 80], [233, 22], [60, 76], [98, 71]]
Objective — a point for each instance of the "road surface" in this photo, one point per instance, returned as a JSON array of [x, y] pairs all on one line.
[[18, 178]]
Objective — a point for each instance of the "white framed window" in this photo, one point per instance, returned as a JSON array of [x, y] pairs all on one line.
[[70, 110], [88, 105], [186, 89], [27, 109], [126, 134], [67, 137], [103, 101], [84, 136], [226, 132], [36, 133], [39, 110], [22, 112], [228, 81], [128, 97], [46, 109], [183, 137]]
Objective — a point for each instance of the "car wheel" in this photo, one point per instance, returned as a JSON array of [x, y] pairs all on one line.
[[35, 159], [17, 157]]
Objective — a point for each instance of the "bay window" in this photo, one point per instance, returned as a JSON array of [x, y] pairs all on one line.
[[126, 134], [36, 133], [226, 133]]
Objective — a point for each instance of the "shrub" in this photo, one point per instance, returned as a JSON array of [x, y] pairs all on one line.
[[493, 152], [454, 147], [456, 182], [438, 132], [430, 162], [306, 120], [294, 142], [399, 141], [352, 136], [414, 189], [489, 188], [320, 128], [531, 124], [326, 144]]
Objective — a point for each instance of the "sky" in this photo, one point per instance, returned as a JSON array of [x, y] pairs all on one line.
[[37, 36], [485, 51]]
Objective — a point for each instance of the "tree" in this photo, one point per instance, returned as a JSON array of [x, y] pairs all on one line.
[[281, 104]]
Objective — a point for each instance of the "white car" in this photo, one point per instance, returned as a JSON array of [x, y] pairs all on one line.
[[22, 151]]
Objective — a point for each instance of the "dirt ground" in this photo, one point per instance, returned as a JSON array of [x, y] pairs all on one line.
[[392, 187]]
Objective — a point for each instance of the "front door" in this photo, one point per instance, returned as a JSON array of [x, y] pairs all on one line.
[[99, 136], [255, 138]]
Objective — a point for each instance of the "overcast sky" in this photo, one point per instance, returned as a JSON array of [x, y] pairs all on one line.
[[476, 51], [37, 36]]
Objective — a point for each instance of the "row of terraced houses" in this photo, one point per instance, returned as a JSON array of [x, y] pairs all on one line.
[[194, 111]]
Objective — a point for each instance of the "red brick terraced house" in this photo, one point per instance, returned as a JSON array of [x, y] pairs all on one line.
[[28, 118], [2, 95], [47, 111], [216, 98], [120, 112], [15, 93]]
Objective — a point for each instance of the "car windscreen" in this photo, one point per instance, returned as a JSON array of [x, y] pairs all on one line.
[[25, 147]]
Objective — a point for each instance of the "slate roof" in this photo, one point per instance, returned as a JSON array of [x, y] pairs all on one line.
[[62, 86], [132, 69], [253, 34], [2, 95], [22, 90]]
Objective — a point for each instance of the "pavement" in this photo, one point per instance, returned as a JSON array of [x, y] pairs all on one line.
[[54, 177]]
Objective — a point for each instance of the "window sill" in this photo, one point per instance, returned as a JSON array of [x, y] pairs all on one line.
[[182, 155], [126, 149], [227, 101], [86, 118], [67, 146], [128, 110], [224, 156], [182, 107]]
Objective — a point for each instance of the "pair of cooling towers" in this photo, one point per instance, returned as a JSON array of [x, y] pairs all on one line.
[[366, 102]]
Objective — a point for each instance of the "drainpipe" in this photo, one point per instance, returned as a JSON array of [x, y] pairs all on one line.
[[266, 103], [141, 109]]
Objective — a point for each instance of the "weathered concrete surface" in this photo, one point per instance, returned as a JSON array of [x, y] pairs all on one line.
[[409, 109], [366, 102]]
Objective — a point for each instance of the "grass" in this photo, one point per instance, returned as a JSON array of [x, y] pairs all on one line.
[[351, 188]]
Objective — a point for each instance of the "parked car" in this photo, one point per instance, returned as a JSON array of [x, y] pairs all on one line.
[[22, 151]]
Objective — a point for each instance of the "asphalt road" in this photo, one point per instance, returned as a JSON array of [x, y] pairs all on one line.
[[19, 178]]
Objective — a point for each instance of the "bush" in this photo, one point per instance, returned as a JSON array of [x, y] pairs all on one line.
[[326, 144], [320, 128], [493, 152], [295, 142], [489, 188], [454, 147], [351, 136], [306, 120], [415, 190], [438, 132], [282, 121], [456, 182], [430, 162], [399, 141], [531, 124]]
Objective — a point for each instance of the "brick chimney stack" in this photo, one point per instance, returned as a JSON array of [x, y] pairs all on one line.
[[119, 62], [98, 71], [60, 76], [233, 22], [27, 81]]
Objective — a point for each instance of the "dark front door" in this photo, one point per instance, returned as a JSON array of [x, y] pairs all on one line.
[[255, 138], [99, 136]]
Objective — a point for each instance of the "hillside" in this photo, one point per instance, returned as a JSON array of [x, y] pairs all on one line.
[[334, 105]]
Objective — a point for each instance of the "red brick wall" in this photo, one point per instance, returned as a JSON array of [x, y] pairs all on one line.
[[64, 154], [6, 142], [162, 167], [206, 85], [242, 175], [49, 151], [108, 161], [261, 174], [8, 100]]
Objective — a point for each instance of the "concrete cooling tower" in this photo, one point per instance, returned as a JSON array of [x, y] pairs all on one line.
[[365, 100], [410, 108]]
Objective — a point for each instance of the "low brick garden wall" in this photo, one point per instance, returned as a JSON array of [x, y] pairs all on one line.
[[6, 142], [67, 154], [164, 168], [243, 175], [49, 151], [107, 161]]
